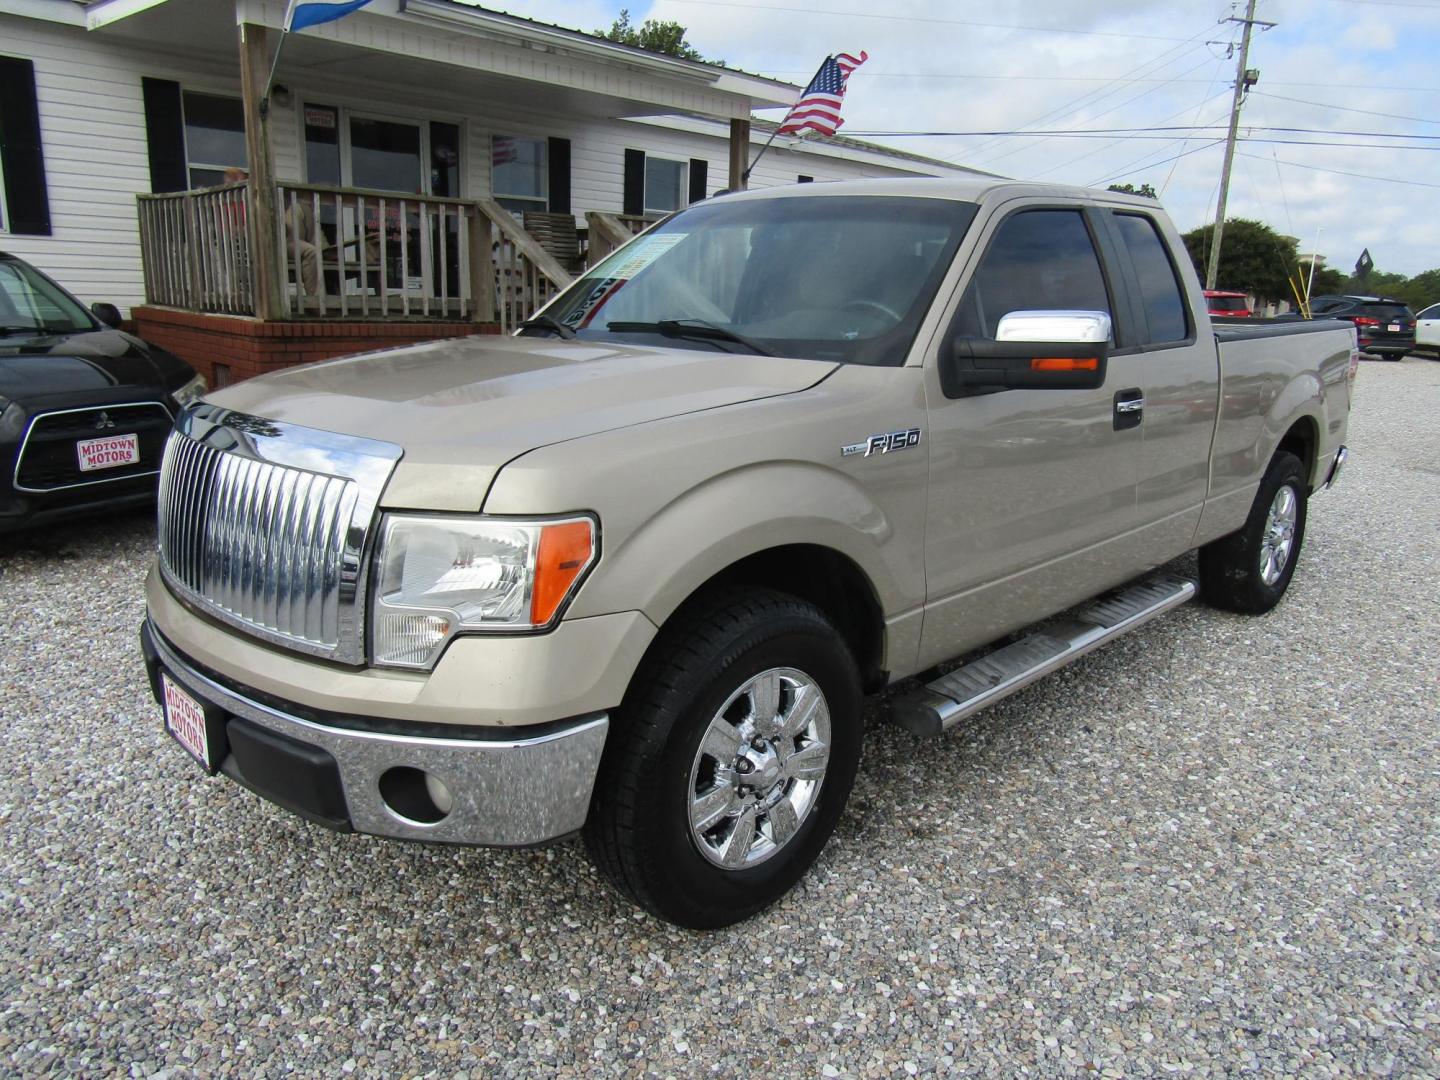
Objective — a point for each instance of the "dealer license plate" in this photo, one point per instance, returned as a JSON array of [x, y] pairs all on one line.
[[185, 719], [109, 452]]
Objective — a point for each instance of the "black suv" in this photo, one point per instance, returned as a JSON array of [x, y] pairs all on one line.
[[84, 408], [1384, 326]]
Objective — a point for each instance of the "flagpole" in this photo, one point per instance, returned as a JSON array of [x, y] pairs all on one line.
[[275, 64], [745, 176]]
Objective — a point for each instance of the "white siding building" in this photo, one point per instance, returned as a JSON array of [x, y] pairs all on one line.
[[417, 169]]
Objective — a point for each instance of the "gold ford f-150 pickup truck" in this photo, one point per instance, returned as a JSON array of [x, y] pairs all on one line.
[[631, 571]]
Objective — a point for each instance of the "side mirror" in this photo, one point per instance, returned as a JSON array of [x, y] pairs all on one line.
[[1031, 350], [108, 314]]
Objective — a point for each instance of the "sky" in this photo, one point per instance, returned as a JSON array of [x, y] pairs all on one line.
[[1367, 67]]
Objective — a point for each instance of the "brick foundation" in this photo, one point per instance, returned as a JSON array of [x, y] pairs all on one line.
[[229, 348]]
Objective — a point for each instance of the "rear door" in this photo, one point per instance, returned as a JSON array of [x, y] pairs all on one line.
[[1179, 370], [1030, 490], [1427, 328]]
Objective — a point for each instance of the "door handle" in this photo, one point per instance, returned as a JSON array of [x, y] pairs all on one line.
[[1129, 408]]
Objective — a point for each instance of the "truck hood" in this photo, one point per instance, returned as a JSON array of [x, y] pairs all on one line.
[[461, 408]]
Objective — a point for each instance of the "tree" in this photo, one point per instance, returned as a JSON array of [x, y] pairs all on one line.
[[1147, 190], [654, 36], [1253, 258], [1328, 281]]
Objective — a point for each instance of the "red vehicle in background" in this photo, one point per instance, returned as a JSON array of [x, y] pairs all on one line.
[[1230, 305]]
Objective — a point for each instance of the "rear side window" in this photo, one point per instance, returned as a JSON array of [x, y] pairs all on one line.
[[1385, 311], [1038, 260], [1159, 288]]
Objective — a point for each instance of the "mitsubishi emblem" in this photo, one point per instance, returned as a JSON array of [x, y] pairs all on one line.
[[104, 422]]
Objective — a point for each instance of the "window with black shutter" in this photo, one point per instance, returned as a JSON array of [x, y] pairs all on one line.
[[24, 198]]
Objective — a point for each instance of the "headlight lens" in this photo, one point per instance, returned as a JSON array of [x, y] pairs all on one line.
[[191, 391], [439, 577]]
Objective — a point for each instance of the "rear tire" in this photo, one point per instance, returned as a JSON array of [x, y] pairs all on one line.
[[1249, 570], [730, 760]]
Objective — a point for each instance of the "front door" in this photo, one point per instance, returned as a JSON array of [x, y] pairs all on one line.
[[1032, 492]]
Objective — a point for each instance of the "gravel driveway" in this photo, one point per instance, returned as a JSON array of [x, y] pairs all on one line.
[[1210, 847]]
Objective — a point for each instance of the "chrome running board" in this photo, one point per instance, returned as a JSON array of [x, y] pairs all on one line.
[[971, 687]]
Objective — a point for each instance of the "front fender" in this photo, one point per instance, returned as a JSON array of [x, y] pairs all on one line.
[[711, 526]]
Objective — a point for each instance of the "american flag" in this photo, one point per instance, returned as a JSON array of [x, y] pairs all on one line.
[[818, 109]]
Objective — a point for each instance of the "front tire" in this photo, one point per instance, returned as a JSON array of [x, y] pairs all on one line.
[[1249, 570], [730, 760]]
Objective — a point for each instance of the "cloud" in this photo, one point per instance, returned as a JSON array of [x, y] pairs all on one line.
[[934, 67]]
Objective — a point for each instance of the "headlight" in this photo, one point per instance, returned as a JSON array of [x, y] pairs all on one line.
[[191, 391], [439, 577]]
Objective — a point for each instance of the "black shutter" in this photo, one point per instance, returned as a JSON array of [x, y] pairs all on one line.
[[634, 182], [559, 176], [165, 135], [22, 158], [699, 178]]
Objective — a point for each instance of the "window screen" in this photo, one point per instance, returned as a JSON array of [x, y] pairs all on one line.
[[1039, 260], [1159, 288], [664, 184], [518, 172], [214, 137]]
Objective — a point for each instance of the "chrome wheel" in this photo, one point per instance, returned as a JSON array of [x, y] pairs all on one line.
[[759, 768], [1279, 536]]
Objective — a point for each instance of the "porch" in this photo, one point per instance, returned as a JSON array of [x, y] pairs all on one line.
[[357, 254], [410, 171]]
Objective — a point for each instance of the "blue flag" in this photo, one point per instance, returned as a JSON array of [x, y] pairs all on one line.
[[315, 12]]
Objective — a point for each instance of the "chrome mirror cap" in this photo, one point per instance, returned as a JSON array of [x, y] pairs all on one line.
[[1081, 327]]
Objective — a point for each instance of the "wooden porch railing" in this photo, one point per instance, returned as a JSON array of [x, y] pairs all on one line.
[[348, 253], [610, 231], [195, 249]]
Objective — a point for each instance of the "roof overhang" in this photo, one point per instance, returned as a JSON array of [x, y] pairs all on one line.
[[488, 46]]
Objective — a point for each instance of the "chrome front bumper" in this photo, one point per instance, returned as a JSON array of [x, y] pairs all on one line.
[[506, 789]]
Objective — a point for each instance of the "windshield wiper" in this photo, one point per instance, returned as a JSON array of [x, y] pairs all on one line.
[[689, 328], [23, 330], [548, 322]]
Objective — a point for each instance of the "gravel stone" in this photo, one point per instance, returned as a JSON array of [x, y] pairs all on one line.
[[1209, 848]]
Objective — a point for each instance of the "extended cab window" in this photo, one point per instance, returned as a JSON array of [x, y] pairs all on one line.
[[1038, 260], [1159, 287]]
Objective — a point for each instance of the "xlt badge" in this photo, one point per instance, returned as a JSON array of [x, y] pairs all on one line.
[[883, 443]]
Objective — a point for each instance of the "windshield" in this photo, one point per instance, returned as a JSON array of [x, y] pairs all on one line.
[[30, 301], [840, 278]]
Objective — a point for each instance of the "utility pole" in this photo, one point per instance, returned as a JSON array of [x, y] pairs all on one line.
[[1243, 81]]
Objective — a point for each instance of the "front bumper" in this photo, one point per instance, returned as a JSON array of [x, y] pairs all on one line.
[[507, 787]]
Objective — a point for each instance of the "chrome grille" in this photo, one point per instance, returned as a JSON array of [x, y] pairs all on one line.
[[252, 531]]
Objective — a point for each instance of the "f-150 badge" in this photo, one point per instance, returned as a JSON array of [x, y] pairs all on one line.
[[884, 443]]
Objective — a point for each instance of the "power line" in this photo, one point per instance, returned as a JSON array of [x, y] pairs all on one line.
[[929, 19], [1342, 172], [1127, 170], [1107, 112], [1344, 108], [1092, 132], [1099, 94]]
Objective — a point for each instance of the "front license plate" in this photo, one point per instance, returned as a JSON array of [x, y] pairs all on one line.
[[109, 452], [185, 719]]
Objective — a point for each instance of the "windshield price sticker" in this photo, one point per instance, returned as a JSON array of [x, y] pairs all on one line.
[[642, 253]]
